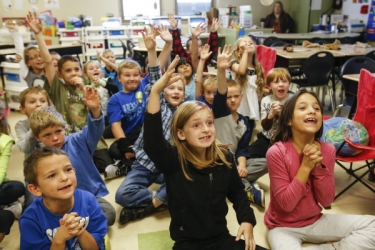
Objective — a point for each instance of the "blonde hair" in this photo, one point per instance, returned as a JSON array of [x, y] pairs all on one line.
[[242, 79], [128, 64], [45, 117], [26, 56], [108, 51], [87, 64], [216, 151], [183, 80], [277, 74], [33, 90], [210, 80]]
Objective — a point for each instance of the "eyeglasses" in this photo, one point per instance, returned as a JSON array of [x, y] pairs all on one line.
[[35, 57]]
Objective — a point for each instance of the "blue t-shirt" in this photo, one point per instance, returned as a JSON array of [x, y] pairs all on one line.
[[38, 225], [113, 75], [129, 108], [190, 91], [201, 99]]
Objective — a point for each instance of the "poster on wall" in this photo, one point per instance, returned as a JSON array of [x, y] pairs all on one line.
[[51, 4], [7, 5], [370, 29]]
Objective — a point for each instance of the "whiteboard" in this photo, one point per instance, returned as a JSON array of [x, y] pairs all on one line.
[[144, 7]]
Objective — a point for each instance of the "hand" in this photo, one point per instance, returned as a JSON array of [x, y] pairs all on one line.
[[78, 82], [129, 155], [312, 156], [164, 33], [99, 55], [215, 24], [205, 52], [11, 26], [91, 99], [195, 32], [246, 229], [72, 223], [173, 21], [96, 81], [34, 22], [166, 79], [223, 59], [276, 108], [242, 171], [149, 39]]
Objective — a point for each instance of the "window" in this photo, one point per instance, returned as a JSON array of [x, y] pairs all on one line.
[[192, 7], [140, 7]]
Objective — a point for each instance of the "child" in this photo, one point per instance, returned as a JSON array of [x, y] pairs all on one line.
[[302, 181], [194, 44], [66, 91], [30, 99], [249, 74], [133, 194], [199, 176], [63, 217], [10, 191], [233, 128], [48, 128], [185, 68], [108, 70], [126, 108]]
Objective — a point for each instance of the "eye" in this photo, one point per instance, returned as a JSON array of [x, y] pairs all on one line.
[[196, 125], [69, 169], [302, 108], [317, 109], [46, 136], [210, 123], [51, 176]]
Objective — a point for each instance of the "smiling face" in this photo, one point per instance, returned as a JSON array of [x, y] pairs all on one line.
[[307, 116], [34, 60], [69, 70], [34, 101], [92, 71], [52, 136], [130, 79], [279, 88], [55, 177], [199, 131], [174, 94]]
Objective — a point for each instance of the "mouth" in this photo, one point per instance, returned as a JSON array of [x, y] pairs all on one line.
[[205, 138], [310, 120], [176, 98], [281, 91], [97, 74], [57, 145], [65, 188]]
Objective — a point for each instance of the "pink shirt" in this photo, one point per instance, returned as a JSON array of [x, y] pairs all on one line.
[[292, 203]]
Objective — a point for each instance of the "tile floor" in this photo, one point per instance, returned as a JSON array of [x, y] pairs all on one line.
[[358, 200]]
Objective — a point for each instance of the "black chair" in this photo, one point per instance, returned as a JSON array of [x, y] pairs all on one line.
[[124, 49], [270, 40], [346, 40], [371, 55], [318, 40], [354, 66], [253, 38], [317, 70], [136, 55], [279, 43]]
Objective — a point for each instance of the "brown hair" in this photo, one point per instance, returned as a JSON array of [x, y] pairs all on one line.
[[66, 58], [284, 131], [216, 151], [277, 74], [45, 117], [242, 79], [31, 164], [33, 90], [26, 56]]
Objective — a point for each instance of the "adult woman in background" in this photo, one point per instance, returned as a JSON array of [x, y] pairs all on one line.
[[279, 20]]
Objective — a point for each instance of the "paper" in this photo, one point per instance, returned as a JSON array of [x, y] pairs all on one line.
[[7, 5], [18, 4], [316, 4], [51, 4]]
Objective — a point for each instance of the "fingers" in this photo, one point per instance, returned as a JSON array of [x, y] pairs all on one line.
[[174, 63]]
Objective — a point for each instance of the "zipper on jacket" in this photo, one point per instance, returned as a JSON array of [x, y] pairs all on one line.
[[211, 179]]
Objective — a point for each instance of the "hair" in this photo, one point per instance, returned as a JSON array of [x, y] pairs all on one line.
[[33, 90], [210, 80], [67, 58], [45, 117], [183, 61], [284, 131], [233, 83], [86, 65], [242, 79], [26, 56], [4, 125], [54, 53], [277, 74], [213, 152], [31, 164], [108, 51], [188, 42], [281, 7], [128, 64], [182, 78]]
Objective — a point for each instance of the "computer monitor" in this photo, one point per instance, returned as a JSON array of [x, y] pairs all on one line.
[[195, 21], [164, 21]]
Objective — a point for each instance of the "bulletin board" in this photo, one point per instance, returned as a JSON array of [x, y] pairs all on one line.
[[352, 9]]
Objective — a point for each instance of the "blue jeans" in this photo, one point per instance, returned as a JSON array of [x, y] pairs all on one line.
[[134, 192]]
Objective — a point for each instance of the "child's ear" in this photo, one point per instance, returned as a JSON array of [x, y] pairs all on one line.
[[36, 138], [34, 190], [181, 135], [22, 109]]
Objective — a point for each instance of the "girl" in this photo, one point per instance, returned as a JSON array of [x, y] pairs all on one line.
[[10, 191], [185, 68], [199, 175], [301, 170], [250, 75]]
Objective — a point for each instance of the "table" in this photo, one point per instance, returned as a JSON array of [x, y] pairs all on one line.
[[350, 50], [352, 77]]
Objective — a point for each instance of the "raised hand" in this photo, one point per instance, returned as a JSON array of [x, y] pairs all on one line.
[[34, 22], [201, 28], [149, 38], [164, 33], [205, 52], [11, 26], [215, 24], [224, 59], [91, 99], [166, 79], [172, 21]]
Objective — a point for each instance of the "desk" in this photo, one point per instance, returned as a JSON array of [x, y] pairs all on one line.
[[142, 55], [351, 77], [350, 50]]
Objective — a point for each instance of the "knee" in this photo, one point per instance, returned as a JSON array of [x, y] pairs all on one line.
[[111, 216], [127, 195]]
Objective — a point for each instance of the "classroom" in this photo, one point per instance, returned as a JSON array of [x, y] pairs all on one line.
[[294, 141]]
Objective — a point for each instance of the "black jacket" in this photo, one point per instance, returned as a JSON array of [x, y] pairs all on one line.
[[198, 208], [286, 22]]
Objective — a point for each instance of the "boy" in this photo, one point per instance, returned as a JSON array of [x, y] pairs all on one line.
[[108, 70], [66, 91], [63, 217], [234, 129], [194, 44], [126, 108], [133, 194], [48, 127]]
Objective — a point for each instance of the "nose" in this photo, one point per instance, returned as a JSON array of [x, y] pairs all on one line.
[[55, 137], [64, 176]]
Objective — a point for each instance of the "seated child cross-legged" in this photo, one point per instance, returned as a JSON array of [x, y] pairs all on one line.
[[63, 217], [48, 127], [199, 176], [302, 181], [233, 128]]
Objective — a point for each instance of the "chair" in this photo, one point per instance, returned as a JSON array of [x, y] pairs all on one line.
[[371, 55], [136, 55], [279, 43], [346, 40], [318, 40], [317, 70], [364, 115], [354, 66], [253, 38], [124, 49], [270, 40], [267, 57]]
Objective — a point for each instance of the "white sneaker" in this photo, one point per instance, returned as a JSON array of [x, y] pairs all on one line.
[[15, 208], [114, 170]]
